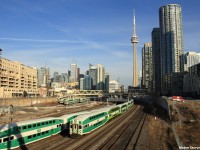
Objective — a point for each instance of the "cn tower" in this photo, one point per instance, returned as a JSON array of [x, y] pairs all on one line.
[[134, 40]]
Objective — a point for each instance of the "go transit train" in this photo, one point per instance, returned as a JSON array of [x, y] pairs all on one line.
[[17, 134], [88, 122]]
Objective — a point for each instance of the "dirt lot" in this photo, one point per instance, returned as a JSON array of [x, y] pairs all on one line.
[[188, 124]]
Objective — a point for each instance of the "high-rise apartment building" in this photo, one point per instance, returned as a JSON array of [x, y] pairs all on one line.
[[17, 79], [171, 46], [171, 38], [147, 70], [156, 61]]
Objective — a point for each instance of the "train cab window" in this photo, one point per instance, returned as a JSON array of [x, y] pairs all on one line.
[[11, 138], [6, 139], [24, 127], [29, 126], [0, 140], [18, 128], [30, 136]]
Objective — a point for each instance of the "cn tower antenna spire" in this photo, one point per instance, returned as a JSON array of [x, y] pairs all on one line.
[[134, 41], [134, 24]]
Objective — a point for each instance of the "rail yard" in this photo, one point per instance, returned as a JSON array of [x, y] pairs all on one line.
[[137, 128]]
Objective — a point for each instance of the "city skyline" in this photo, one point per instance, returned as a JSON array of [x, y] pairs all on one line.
[[53, 34]]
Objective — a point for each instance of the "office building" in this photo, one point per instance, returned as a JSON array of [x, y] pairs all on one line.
[[113, 86], [98, 76], [82, 84], [107, 80], [43, 76], [87, 82], [147, 70], [74, 73], [93, 74]]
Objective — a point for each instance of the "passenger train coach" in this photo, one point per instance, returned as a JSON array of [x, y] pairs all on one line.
[[17, 134], [88, 122], [21, 133]]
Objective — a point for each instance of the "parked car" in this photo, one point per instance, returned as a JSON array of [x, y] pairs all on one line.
[[177, 98]]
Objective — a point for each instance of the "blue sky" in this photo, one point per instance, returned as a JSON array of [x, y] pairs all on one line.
[[53, 33]]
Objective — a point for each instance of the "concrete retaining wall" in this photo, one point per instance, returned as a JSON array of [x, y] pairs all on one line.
[[26, 101], [162, 102]]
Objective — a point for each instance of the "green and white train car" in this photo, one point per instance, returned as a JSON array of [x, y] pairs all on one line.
[[71, 101], [17, 134], [21, 133], [61, 100], [66, 118], [86, 123]]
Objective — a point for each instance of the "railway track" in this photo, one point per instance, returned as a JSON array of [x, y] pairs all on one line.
[[61, 138], [64, 142], [123, 132], [124, 136]]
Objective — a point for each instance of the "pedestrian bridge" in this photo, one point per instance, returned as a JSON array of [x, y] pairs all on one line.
[[98, 93]]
